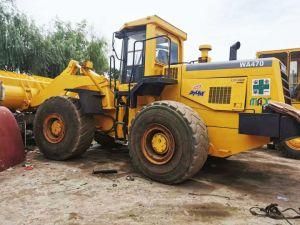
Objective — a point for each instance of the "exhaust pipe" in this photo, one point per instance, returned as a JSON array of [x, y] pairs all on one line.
[[233, 50]]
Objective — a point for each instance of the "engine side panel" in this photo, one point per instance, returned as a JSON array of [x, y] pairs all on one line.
[[220, 91], [217, 93]]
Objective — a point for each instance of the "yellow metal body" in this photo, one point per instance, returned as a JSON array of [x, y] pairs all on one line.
[[75, 76], [24, 91], [232, 91], [19, 89], [221, 119]]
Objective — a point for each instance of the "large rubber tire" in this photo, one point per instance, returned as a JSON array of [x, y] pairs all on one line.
[[190, 141], [78, 132], [289, 151]]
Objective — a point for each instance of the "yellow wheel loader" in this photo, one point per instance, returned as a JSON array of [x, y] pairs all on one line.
[[291, 59], [171, 113], [16, 93]]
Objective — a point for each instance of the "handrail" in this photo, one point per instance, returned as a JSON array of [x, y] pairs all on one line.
[[112, 60]]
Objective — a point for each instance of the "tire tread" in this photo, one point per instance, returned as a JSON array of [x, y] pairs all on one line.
[[199, 134]]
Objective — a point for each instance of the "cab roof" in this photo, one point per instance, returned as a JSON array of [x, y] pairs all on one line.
[[159, 22]]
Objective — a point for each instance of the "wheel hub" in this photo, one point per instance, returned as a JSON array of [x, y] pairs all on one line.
[[158, 144], [54, 128], [294, 144]]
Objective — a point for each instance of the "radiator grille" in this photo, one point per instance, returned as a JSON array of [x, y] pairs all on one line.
[[172, 73], [219, 95]]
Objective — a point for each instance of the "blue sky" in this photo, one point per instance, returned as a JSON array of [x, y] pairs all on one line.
[[257, 24]]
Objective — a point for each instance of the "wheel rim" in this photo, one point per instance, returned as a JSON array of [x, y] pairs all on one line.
[[158, 144], [294, 144], [54, 128]]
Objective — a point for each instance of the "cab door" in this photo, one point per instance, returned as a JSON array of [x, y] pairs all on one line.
[[133, 56]]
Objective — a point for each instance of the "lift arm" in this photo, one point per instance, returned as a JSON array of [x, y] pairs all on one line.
[[69, 79]]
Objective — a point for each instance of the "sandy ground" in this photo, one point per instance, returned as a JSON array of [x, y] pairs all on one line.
[[222, 193]]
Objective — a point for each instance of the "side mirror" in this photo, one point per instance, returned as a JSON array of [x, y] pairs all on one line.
[[119, 34]]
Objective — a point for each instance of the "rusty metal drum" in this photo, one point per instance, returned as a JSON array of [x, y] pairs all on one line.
[[12, 149]]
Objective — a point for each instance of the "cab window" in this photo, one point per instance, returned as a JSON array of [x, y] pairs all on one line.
[[162, 51], [138, 55], [133, 66]]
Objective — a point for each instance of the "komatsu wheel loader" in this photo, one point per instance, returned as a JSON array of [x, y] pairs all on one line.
[[291, 60], [172, 114]]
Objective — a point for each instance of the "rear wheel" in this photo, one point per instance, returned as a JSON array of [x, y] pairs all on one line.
[[168, 142], [61, 130], [291, 148]]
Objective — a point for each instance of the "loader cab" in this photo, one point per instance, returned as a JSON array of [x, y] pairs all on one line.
[[148, 46]]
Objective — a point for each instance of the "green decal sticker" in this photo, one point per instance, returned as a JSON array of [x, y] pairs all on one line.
[[259, 101], [261, 87]]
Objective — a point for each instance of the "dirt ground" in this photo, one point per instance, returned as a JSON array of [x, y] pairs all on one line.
[[222, 193]]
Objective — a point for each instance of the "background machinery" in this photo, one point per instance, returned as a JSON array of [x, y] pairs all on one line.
[[171, 114], [291, 59], [16, 93]]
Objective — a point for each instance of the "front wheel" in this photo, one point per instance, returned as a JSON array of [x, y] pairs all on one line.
[[168, 142], [61, 130], [291, 148]]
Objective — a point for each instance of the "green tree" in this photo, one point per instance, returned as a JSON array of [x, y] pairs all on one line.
[[19, 39], [67, 42], [25, 47]]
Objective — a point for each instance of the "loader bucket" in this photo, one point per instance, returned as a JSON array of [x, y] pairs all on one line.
[[11, 145]]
